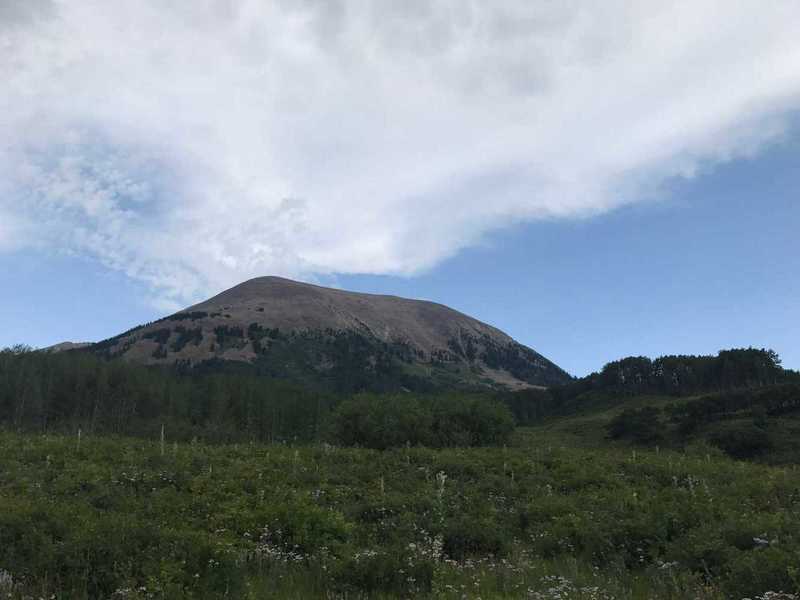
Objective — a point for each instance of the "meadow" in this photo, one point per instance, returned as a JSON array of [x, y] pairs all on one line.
[[121, 517]]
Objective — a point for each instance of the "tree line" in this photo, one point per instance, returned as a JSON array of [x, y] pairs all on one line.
[[673, 375], [58, 392], [42, 391]]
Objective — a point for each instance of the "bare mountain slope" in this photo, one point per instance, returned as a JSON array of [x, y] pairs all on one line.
[[297, 330]]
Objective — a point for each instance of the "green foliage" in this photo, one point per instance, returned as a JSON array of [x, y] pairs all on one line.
[[522, 362], [741, 440], [189, 316], [96, 515], [55, 392], [474, 536], [49, 392], [342, 362], [185, 337], [160, 336], [381, 421], [760, 424], [731, 372], [641, 425], [386, 421], [229, 336], [261, 337], [116, 518], [771, 400], [682, 375]]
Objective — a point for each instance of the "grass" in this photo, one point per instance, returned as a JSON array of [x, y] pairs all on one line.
[[113, 518]]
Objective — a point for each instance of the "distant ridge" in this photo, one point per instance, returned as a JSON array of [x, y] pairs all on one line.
[[64, 346], [307, 332]]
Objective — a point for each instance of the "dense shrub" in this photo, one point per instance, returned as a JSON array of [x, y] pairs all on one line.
[[641, 425], [470, 536], [391, 570], [385, 421], [114, 518], [741, 439], [770, 400]]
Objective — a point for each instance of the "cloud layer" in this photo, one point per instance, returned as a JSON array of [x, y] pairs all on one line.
[[193, 145]]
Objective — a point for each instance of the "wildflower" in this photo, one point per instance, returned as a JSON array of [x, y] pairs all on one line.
[[761, 542], [7, 582]]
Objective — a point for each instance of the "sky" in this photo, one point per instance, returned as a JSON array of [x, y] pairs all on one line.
[[596, 179]]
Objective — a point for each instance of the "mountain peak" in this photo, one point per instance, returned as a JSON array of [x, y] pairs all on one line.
[[289, 328]]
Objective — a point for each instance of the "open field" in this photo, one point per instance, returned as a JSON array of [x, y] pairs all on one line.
[[130, 518]]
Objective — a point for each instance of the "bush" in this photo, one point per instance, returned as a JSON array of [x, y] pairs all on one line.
[[641, 425], [741, 440], [380, 422], [281, 521], [469, 537], [470, 421], [392, 570]]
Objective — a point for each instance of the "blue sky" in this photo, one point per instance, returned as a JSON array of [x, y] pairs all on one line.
[[713, 263], [597, 179]]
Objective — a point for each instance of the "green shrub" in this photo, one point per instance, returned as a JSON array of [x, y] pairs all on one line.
[[471, 536], [640, 425], [395, 570], [741, 440], [386, 421]]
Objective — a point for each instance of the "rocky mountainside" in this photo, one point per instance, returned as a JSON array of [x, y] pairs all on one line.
[[335, 338]]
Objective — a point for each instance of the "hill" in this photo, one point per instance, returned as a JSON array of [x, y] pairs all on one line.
[[740, 401], [335, 339]]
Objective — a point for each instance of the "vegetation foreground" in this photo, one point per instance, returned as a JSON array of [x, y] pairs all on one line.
[[104, 517]]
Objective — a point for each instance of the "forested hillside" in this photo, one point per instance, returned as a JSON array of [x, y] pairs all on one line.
[[63, 392], [52, 392], [673, 376]]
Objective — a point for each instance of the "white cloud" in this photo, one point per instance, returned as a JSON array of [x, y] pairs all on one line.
[[192, 145]]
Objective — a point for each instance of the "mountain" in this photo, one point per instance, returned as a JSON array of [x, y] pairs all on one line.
[[334, 338], [65, 346]]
